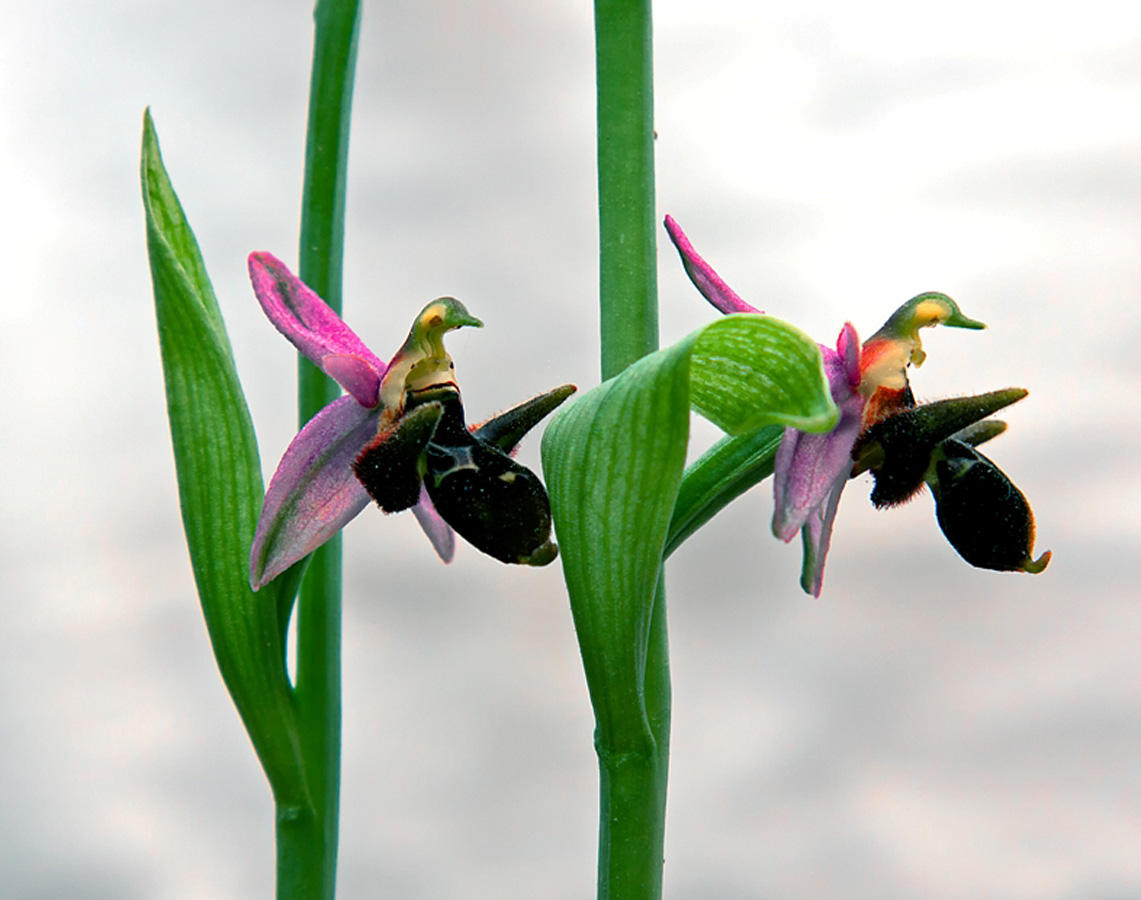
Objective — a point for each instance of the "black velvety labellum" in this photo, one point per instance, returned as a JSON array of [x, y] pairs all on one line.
[[495, 504], [984, 516], [389, 467], [906, 455]]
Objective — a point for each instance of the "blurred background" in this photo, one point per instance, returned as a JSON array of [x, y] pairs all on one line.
[[924, 729]]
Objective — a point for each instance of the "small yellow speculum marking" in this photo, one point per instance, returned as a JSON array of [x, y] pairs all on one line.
[[507, 477], [931, 312], [433, 316]]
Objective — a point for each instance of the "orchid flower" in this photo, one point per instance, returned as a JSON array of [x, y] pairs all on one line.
[[398, 436], [881, 429]]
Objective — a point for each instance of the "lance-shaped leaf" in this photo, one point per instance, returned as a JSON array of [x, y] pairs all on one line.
[[219, 483], [613, 463], [719, 476]]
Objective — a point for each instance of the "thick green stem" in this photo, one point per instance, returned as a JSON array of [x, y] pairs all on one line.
[[307, 839], [627, 256], [632, 786], [301, 863], [632, 779]]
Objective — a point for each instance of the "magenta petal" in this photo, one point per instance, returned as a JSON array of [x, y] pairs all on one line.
[[817, 537], [848, 349], [314, 493], [791, 497], [356, 375], [314, 329], [810, 470], [702, 275], [439, 532], [808, 466]]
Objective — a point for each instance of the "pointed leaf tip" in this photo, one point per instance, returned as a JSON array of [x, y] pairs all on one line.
[[219, 480]]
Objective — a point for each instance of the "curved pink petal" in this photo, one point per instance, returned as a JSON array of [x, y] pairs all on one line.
[[806, 469], [810, 470], [711, 285], [314, 329], [808, 466], [314, 493], [356, 375], [848, 349], [817, 537], [439, 532]]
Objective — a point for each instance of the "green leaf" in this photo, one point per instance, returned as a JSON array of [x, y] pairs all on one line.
[[724, 472], [751, 370], [219, 483], [613, 462]]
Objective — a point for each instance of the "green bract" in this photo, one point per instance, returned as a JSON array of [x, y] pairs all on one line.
[[613, 462]]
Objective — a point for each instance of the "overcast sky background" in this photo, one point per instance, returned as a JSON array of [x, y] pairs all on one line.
[[923, 730]]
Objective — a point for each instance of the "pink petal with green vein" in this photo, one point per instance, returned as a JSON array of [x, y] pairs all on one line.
[[314, 493]]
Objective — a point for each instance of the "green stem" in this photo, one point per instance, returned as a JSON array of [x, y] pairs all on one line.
[[627, 250], [632, 785], [300, 854], [307, 838], [632, 779]]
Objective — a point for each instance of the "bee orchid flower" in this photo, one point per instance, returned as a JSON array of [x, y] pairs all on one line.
[[398, 437], [881, 429]]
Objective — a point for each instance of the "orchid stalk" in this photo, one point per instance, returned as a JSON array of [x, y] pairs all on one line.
[[619, 497], [790, 407], [398, 436], [633, 776], [307, 847], [293, 723], [614, 460], [882, 430]]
